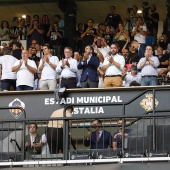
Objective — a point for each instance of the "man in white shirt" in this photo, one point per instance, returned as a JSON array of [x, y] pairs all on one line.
[[25, 70], [113, 66], [47, 66], [148, 66], [68, 68], [8, 77]]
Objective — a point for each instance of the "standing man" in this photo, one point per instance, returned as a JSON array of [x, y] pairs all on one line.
[[25, 70], [89, 64], [113, 19], [117, 136], [148, 66], [98, 139], [113, 65], [36, 32], [8, 77], [32, 140], [153, 19], [55, 130], [68, 68], [89, 34], [48, 64]]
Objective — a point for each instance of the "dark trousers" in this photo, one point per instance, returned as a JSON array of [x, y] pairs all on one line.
[[55, 140], [69, 83], [7, 83], [23, 87]]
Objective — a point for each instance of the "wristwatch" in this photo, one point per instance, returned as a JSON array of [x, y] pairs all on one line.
[[49, 63]]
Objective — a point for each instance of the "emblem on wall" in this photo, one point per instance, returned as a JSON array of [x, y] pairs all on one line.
[[16, 112], [147, 102]]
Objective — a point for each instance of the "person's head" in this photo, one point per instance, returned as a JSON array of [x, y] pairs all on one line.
[[68, 52], [36, 17], [38, 47], [159, 51], [135, 44], [102, 27], [133, 70], [112, 9], [45, 19], [120, 121], [4, 45], [97, 123], [33, 43], [124, 71], [34, 51], [7, 51], [135, 9], [33, 128], [69, 109], [57, 18], [89, 49], [80, 26], [125, 52], [17, 45], [153, 8], [149, 51], [108, 29], [28, 19], [36, 23], [25, 55], [139, 20], [46, 50], [114, 48], [4, 24], [77, 56], [121, 27], [103, 42], [90, 23], [55, 26]]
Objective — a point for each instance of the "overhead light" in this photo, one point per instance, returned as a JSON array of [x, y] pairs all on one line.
[[23, 16], [139, 11]]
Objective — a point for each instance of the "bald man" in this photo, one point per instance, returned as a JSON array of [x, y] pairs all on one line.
[[25, 70]]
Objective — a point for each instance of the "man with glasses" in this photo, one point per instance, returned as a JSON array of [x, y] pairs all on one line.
[[47, 66]]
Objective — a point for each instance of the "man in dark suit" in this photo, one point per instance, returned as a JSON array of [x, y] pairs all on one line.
[[140, 47], [89, 64], [100, 138]]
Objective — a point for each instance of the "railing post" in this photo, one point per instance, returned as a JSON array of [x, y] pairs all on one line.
[[65, 136]]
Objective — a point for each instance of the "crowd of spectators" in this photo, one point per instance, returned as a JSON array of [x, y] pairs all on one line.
[[106, 56]]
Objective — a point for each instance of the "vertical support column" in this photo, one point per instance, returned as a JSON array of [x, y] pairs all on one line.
[[70, 23]]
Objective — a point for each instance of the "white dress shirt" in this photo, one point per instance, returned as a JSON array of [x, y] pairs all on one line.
[[48, 73], [68, 72], [7, 62], [113, 70], [149, 69]]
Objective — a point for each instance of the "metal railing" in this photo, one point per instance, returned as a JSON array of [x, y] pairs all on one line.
[[147, 141]]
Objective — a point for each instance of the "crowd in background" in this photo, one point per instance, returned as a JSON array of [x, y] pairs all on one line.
[[106, 56]]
